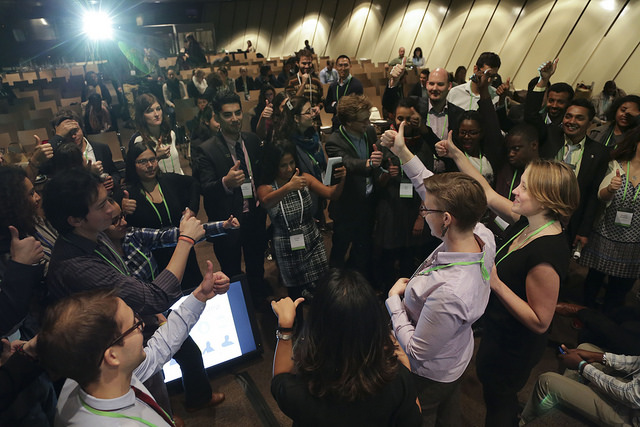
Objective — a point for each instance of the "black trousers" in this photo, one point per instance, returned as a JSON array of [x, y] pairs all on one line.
[[357, 233]]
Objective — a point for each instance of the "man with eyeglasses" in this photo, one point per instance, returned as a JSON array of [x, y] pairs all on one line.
[[345, 85], [95, 339], [227, 166]]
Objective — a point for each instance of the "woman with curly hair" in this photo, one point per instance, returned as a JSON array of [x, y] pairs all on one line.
[[343, 370], [154, 130]]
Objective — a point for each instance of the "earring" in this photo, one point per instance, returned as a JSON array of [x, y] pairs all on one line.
[[443, 230]]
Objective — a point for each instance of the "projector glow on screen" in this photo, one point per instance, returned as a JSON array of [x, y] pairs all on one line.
[[223, 332], [97, 25]]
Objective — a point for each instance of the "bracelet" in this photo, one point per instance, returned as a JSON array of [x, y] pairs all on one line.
[[20, 350], [284, 329], [187, 239], [283, 337], [581, 366]]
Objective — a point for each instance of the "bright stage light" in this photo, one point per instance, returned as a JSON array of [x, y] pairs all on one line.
[[97, 25]]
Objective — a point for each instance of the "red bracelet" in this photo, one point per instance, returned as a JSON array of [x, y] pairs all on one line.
[[20, 350], [187, 239]]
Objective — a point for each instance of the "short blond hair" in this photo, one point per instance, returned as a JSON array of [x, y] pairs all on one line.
[[350, 106], [555, 186]]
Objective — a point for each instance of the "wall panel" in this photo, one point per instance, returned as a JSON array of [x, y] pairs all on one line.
[[294, 29], [453, 23], [411, 22], [371, 31], [386, 47], [225, 28], [428, 32], [342, 38], [279, 30], [324, 29]]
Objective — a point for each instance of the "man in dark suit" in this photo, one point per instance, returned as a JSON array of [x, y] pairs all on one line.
[[587, 158], [346, 85], [244, 83], [227, 166], [353, 213], [420, 90]]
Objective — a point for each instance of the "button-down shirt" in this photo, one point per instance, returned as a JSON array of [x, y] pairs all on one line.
[[327, 76], [159, 350], [439, 121], [138, 243], [572, 153], [433, 322], [231, 145], [79, 264], [463, 96]]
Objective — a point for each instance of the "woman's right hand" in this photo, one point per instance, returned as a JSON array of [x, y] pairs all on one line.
[[616, 183], [268, 110], [192, 227], [297, 181], [285, 311], [163, 151], [446, 147]]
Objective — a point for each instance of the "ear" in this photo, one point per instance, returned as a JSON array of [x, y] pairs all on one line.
[[74, 221], [447, 219], [111, 357], [534, 145], [475, 69], [450, 85]]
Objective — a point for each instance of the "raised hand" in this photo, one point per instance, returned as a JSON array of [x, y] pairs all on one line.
[[396, 73], [232, 222], [285, 311], [192, 227], [297, 181], [616, 182], [66, 127], [41, 154], [25, 251], [163, 151], [212, 284], [340, 172], [446, 147], [235, 177], [268, 110], [399, 287], [503, 89], [128, 205], [547, 69], [375, 160]]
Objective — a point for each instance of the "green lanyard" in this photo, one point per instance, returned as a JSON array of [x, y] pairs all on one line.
[[513, 180], [444, 128], [525, 240], [126, 270], [345, 89], [624, 195], [483, 269], [153, 275], [154, 206], [480, 161], [349, 140], [606, 144], [116, 415], [313, 159]]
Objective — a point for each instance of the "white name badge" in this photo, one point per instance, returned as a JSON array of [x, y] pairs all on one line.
[[297, 242], [247, 190], [501, 223], [406, 190], [623, 218]]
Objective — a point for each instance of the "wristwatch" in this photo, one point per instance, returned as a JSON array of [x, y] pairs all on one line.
[[283, 336]]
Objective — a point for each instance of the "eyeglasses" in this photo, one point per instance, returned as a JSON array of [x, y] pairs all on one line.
[[309, 112], [468, 132], [139, 324], [150, 160], [117, 219], [424, 211]]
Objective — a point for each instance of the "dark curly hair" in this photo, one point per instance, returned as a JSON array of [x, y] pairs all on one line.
[[345, 350], [16, 209]]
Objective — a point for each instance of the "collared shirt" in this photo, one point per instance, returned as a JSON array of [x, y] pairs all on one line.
[[362, 148], [79, 264], [438, 122], [231, 145], [571, 154], [433, 323], [463, 96], [88, 153], [159, 350], [327, 76], [139, 243]]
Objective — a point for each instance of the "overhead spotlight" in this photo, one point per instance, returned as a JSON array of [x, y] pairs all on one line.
[[97, 25]]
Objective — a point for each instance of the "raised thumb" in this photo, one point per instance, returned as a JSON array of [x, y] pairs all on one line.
[[126, 194], [297, 172], [450, 137], [267, 103], [14, 233], [404, 61], [236, 166], [375, 147], [401, 129], [618, 173], [508, 81]]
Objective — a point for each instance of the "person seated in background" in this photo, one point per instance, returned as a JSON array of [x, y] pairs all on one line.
[[250, 48], [466, 95], [622, 116], [95, 340], [603, 101], [227, 82], [93, 84], [346, 84], [203, 115], [265, 99], [343, 370], [418, 59], [195, 53], [244, 83], [172, 90], [266, 78], [328, 74], [96, 118], [559, 95], [288, 71], [197, 85], [420, 89], [601, 386], [400, 58], [308, 47]]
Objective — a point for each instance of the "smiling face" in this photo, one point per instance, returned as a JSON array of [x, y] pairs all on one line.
[[626, 114], [401, 52], [524, 203], [438, 85], [470, 135], [557, 104], [147, 165], [286, 168], [305, 118], [32, 194], [153, 115], [344, 68], [576, 122], [305, 64], [230, 119], [99, 217], [359, 127]]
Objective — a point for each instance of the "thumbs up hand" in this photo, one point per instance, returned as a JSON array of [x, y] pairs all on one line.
[[446, 147], [376, 157], [128, 205], [396, 73], [297, 181], [268, 110], [616, 182], [25, 251], [235, 177]]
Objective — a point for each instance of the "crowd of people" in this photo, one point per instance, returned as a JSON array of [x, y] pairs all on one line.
[[458, 217]]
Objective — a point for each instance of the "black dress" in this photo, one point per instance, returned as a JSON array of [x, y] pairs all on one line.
[[508, 349], [180, 191]]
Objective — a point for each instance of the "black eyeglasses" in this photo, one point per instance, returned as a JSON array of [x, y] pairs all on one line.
[[117, 219], [150, 160], [424, 211]]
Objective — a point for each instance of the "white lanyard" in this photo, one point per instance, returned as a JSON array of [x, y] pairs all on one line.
[[284, 214]]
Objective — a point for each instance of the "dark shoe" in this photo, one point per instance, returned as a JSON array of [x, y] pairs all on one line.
[[216, 399], [179, 422], [567, 309]]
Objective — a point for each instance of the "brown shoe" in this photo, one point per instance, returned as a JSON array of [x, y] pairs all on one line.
[[216, 399], [568, 309], [179, 422]]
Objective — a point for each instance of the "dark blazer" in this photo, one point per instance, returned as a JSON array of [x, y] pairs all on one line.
[[416, 90], [353, 199], [212, 161], [593, 168], [240, 86]]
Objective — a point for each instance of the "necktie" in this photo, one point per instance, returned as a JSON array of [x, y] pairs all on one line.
[[240, 156], [153, 405]]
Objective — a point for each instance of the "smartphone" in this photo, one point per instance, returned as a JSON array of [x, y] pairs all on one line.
[[561, 350], [335, 180]]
